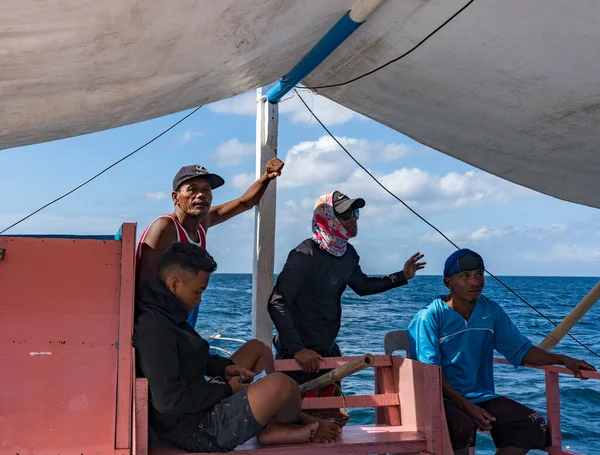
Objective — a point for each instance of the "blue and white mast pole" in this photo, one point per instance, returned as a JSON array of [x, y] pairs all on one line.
[[267, 120], [349, 22]]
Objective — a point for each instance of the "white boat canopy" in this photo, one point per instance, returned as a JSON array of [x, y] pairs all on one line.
[[511, 87]]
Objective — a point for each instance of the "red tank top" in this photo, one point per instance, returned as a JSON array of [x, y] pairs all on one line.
[[182, 235]]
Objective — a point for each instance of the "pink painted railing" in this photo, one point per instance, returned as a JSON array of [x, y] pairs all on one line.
[[552, 373]]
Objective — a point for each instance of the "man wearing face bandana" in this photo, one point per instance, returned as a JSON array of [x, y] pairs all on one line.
[[305, 304], [459, 333]]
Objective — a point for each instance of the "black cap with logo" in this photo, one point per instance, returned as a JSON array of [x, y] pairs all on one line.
[[194, 171], [342, 203]]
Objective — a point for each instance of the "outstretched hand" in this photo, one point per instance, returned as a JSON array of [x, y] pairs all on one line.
[[274, 167], [412, 265]]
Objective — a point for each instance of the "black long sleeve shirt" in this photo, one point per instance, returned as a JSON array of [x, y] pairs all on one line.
[[305, 304], [175, 360]]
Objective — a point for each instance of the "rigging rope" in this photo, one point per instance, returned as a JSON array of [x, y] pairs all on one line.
[[101, 172], [435, 228]]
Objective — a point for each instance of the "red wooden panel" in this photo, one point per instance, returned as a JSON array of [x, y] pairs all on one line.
[[125, 372], [331, 362], [354, 440], [384, 383], [357, 401], [141, 418], [59, 304], [420, 389], [553, 409]]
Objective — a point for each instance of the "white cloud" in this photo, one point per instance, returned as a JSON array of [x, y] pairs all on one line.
[[157, 196], [232, 152], [487, 233], [328, 111], [316, 162], [393, 152], [242, 181], [244, 104], [564, 252], [424, 191], [188, 136]]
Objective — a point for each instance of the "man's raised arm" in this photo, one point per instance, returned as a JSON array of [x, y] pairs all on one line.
[[220, 213]]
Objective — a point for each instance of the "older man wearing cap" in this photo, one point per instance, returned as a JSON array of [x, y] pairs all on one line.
[[305, 304], [459, 333], [193, 215]]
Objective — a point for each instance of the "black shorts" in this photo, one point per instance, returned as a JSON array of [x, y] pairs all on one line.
[[228, 424], [516, 425]]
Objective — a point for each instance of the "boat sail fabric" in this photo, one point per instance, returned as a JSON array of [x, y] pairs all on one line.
[[510, 87]]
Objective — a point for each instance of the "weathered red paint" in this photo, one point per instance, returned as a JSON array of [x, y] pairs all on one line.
[[125, 365], [59, 312]]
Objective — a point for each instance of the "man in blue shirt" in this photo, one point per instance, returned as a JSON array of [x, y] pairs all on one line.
[[459, 333]]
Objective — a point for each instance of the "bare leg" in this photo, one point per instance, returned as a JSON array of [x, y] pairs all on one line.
[[511, 451], [255, 356], [275, 396], [275, 402]]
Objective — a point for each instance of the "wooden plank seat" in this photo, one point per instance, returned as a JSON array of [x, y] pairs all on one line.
[[408, 418], [355, 440]]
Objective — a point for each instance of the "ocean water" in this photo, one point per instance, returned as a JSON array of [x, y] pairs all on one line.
[[365, 320]]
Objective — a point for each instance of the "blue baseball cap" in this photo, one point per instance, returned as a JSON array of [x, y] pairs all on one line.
[[461, 261]]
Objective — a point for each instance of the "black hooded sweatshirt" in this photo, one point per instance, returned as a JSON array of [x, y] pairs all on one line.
[[175, 360]]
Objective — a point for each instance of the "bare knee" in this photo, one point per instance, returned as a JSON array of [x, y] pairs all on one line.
[[259, 347], [286, 387]]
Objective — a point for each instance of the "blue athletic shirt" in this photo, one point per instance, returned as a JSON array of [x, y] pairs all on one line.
[[464, 350]]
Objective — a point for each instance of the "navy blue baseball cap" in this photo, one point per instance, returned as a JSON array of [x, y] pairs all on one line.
[[191, 172], [462, 261]]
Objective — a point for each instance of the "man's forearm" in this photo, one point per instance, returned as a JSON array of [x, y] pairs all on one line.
[[256, 191], [453, 395], [365, 285], [537, 357]]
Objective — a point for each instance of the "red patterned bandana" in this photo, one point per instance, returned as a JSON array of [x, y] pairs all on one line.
[[328, 231]]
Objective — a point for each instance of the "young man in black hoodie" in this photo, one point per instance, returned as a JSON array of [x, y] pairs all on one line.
[[194, 413]]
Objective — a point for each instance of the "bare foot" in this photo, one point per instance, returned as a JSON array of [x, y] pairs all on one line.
[[278, 433], [327, 432]]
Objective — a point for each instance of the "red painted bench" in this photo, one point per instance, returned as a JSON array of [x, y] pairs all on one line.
[[408, 413]]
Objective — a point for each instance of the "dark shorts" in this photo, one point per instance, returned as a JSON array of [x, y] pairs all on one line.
[[225, 426], [516, 425]]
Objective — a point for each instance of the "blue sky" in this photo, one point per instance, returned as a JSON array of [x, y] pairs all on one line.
[[518, 231]]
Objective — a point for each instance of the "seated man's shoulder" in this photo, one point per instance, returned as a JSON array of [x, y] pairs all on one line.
[[436, 306], [148, 320], [431, 311]]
